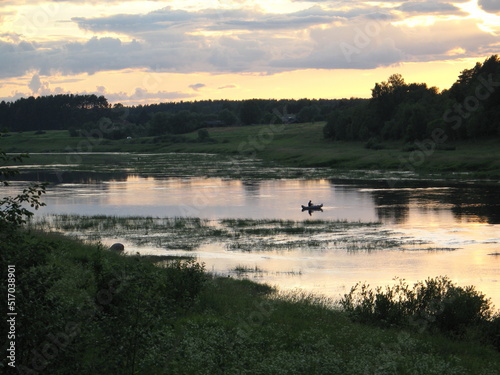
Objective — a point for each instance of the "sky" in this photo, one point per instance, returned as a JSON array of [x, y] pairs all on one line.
[[150, 51]]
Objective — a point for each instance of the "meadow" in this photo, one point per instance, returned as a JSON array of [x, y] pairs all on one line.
[[293, 145]]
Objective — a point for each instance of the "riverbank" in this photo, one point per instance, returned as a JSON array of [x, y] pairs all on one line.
[[101, 312], [296, 145]]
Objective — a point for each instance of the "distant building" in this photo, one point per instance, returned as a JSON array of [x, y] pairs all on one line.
[[289, 119]]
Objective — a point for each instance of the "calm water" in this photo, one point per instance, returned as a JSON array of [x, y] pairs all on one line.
[[460, 222]]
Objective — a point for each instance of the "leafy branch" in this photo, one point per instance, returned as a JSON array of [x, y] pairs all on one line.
[[13, 211]]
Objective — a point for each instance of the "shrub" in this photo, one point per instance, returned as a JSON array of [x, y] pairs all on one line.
[[432, 305]]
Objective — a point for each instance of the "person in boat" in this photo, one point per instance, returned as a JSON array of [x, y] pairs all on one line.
[[310, 203]]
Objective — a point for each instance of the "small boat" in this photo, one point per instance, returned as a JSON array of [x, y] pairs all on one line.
[[313, 207]]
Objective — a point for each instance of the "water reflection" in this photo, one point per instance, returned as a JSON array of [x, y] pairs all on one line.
[[126, 194], [457, 216]]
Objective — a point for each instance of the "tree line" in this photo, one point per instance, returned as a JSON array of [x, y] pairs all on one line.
[[54, 112], [397, 110], [83, 113], [470, 109]]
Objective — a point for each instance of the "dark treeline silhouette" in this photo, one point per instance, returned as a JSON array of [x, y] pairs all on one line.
[[470, 109], [183, 117], [54, 112], [83, 113], [397, 110]]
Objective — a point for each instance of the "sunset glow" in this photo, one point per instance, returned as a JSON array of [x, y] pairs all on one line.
[[153, 51]]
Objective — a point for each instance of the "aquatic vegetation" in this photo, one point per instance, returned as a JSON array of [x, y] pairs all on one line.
[[189, 233], [240, 269]]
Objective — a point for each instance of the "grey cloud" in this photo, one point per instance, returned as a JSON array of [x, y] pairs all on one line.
[[429, 7], [197, 86], [356, 46], [165, 42], [492, 6], [139, 95], [35, 83], [136, 23], [208, 19]]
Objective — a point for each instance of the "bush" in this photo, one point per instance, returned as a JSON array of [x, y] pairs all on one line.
[[112, 313], [203, 135], [374, 144], [432, 305]]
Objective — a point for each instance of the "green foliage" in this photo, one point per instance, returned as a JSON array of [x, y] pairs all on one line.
[[53, 112], [309, 114], [250, 112], [203, 135], [13, 212], [435, 305], [228, 117], [160, 124], [470, 109], [100, 312]]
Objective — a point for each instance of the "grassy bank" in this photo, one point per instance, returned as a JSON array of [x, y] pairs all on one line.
[[88, 310], [298, 145]]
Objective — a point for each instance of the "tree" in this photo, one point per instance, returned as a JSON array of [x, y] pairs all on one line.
[[228, 117], [13, 212], [308, 114], [250, 112], [159, 124]]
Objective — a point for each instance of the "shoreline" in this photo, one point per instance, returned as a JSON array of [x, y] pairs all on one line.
[[296, 145]]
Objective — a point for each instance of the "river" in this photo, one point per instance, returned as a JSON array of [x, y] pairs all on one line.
[[453, 227]]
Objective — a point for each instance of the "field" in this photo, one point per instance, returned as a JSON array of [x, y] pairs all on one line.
[[295, 145]]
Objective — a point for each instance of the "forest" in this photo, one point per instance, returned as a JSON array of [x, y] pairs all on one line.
[[469, 109]]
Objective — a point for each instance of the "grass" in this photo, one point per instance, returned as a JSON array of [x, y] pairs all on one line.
[[240, 269], [296, 145], [122, 315], [249, 235]]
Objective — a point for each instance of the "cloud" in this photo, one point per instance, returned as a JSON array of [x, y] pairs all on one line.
[[429, 7], [197, 86], [492, 6], [143, 25], [227, 87], [368, 46], [35, 84], [327, 35], [141, 95], [137, 96]]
